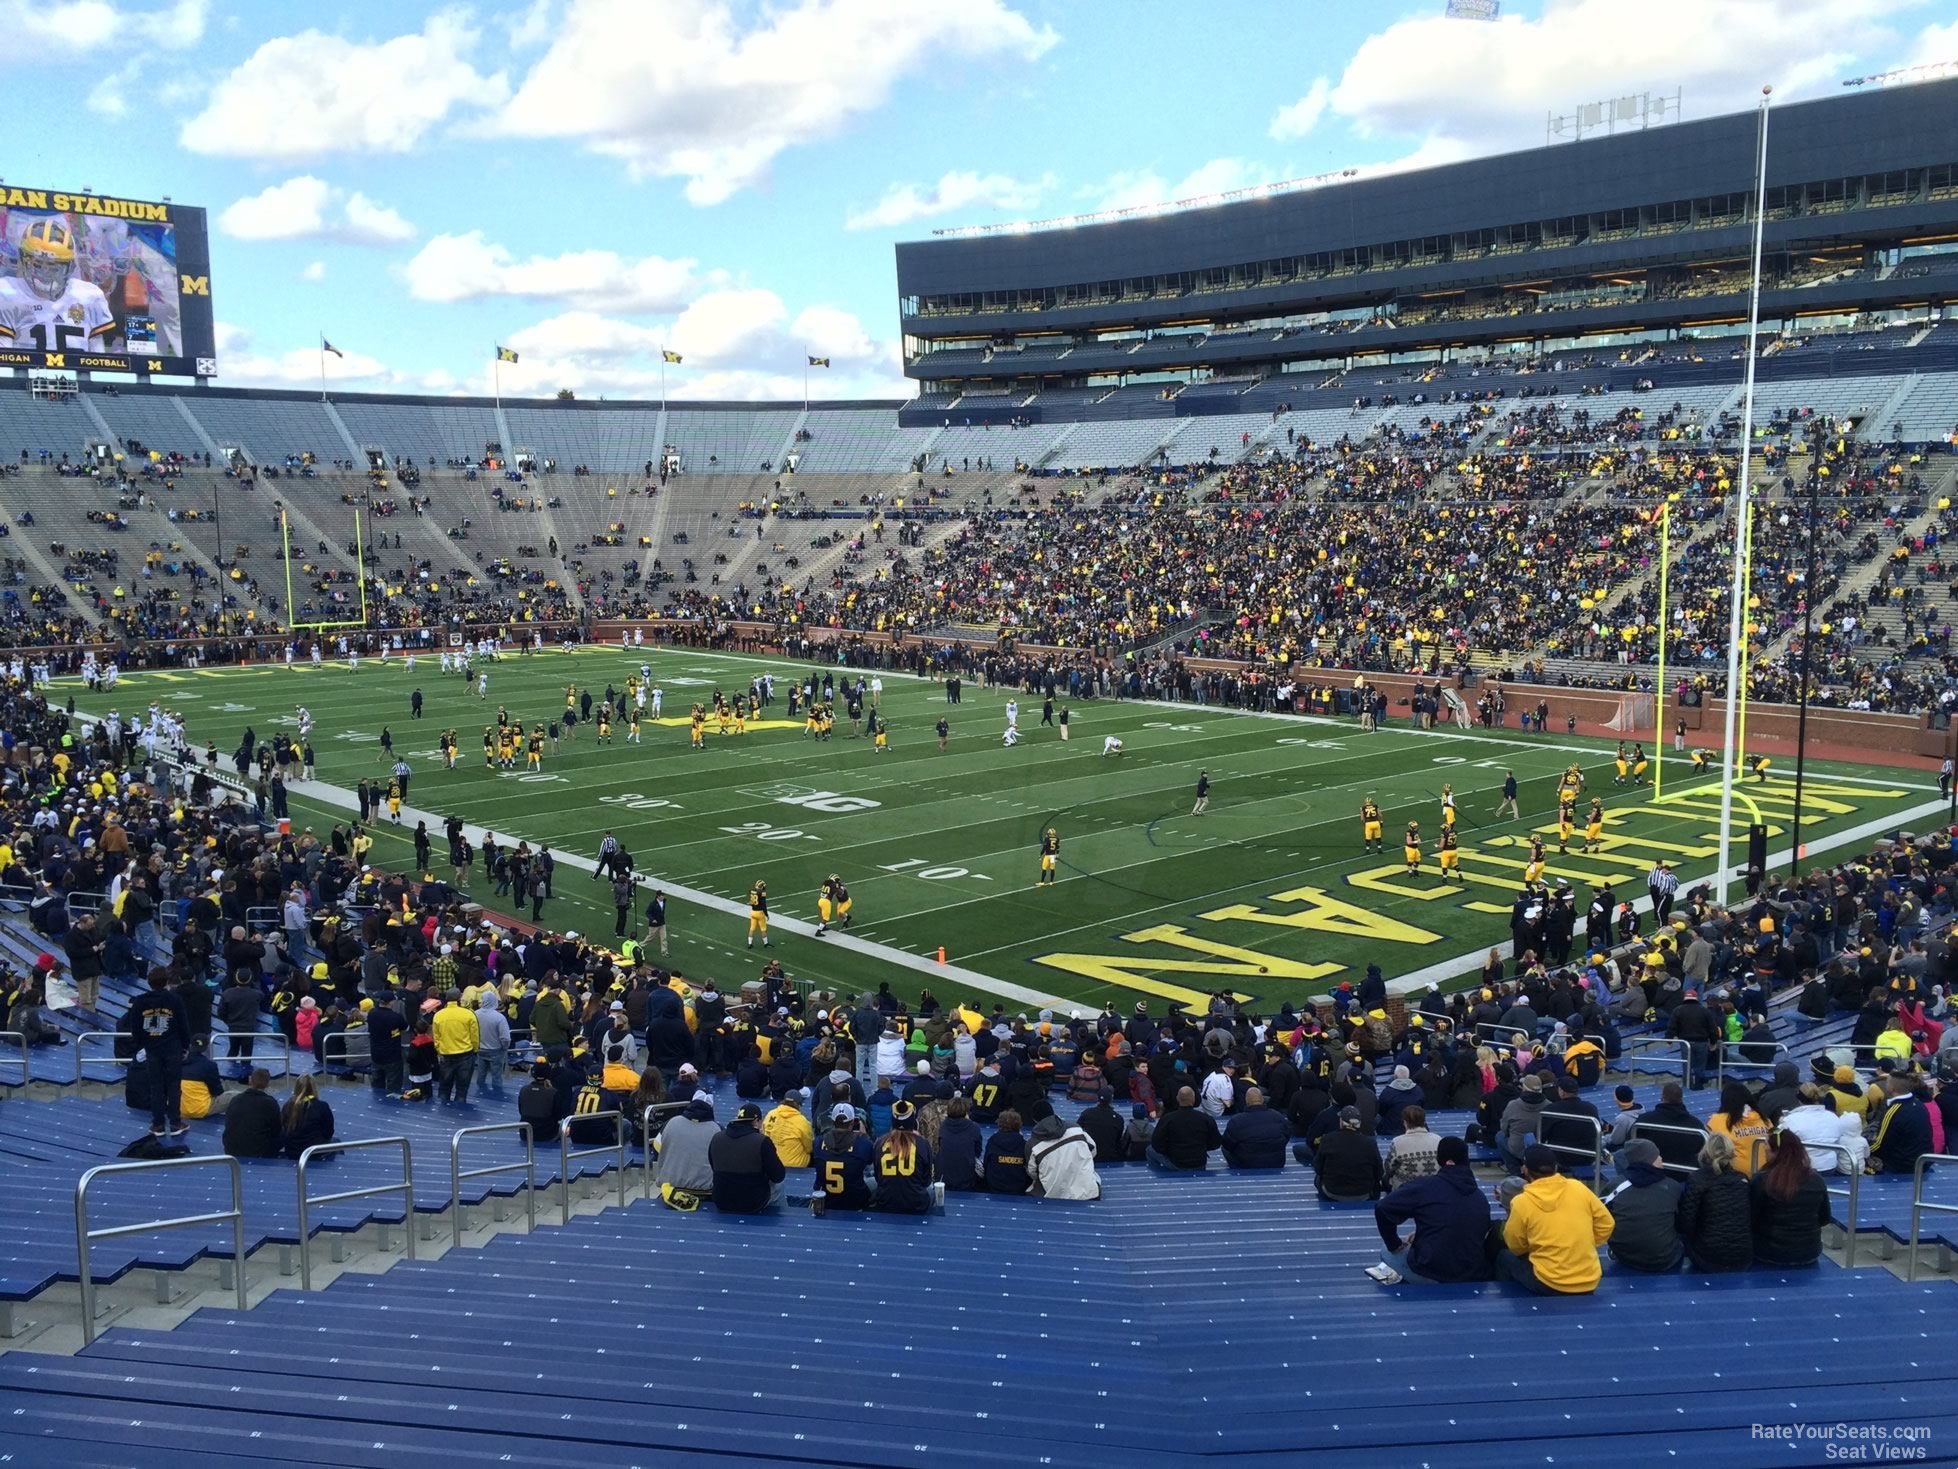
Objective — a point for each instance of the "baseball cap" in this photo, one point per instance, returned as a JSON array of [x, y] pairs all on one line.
[[1641, 1150], [748, 1112], [842, 1112], [1349, 1115]]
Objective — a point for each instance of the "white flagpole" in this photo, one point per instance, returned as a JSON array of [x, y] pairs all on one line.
[[1737, 594], [322, 367]]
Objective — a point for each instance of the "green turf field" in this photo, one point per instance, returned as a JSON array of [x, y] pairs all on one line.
[[1269, 894]]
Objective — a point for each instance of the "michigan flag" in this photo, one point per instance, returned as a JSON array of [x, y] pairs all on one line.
[[673, 357], [326, 346], [819, 362], [504, 354]]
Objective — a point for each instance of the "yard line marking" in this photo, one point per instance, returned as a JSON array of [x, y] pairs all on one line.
[[699, 897]]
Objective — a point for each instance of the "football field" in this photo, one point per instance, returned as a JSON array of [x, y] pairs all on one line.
[[1269, 894]]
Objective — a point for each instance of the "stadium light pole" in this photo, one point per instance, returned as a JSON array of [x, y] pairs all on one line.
[[1737, 596]]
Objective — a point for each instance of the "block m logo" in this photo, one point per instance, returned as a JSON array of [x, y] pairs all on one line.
[[196, 285]]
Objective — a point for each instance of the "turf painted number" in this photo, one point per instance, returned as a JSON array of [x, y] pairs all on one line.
[[633, 801], [1175, 728], [533, 778], [1312, 744], [1451, 760], [829, 802], [916, 867], [761, 831]]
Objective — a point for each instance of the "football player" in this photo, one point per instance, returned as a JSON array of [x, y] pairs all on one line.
[[47, 305]]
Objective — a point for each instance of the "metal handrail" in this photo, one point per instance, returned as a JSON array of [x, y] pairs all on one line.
[[19, 1038], [1641, 1127], [84, 1236], [1918, 1207], [97, 1035], [457, 1175], [1594, 1153], [651, 1158], [1656, 1042], [96, 906], [268, 1036], [346, 1057], [1853, 1192], [566, 1156], [406, 1188], [273, 1036], [1721, 1062]]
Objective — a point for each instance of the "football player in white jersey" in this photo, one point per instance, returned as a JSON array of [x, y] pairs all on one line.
[[48, 306]]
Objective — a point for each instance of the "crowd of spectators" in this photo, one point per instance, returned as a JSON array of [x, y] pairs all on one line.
[[131, 873]]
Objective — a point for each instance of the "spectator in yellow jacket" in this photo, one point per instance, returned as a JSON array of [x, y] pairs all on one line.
[[456, 1039], [1740, 1124], [1556, 1224], [788, 1128]]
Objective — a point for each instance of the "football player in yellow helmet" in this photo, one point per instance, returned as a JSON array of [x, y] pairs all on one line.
[[47, 258]]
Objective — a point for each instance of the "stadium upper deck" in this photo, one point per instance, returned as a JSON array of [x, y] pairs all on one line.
[[1635, 237]]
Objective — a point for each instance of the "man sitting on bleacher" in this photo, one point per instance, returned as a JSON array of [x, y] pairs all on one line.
[[253, 1126], [1450, 1214], [1550, 1242], [747, 1172]]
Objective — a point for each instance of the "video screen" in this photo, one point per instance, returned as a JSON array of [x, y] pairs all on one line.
[[95, 283]]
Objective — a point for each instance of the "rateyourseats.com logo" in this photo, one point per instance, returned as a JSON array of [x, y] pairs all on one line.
[[1854, 1443]]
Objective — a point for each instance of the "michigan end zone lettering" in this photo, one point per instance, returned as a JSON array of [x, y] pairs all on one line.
[[1675, 828]]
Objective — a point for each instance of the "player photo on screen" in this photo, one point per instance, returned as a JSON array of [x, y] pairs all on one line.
[[79, 283]]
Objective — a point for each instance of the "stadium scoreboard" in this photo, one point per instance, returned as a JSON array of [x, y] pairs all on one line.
[[95, 283]]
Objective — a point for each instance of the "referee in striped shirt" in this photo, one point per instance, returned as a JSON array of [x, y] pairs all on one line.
[[1662, 883]]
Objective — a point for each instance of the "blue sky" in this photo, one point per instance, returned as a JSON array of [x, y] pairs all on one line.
[[588, 181]]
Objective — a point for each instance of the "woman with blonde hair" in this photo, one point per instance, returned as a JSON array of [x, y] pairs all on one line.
[[1716, 1219]]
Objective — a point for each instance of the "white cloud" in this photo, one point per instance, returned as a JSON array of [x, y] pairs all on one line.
[[1934, 44], [452, 268], [736, 343], [309, 208], [309, 95], [903, 203], [586, 335], [725, 326], [88, 27], [243, 366], [684, 89], [1139, 188], [1488, 86], [1303, 115], [315, 271]]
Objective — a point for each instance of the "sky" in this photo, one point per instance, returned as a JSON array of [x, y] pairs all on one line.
[[590, 182]]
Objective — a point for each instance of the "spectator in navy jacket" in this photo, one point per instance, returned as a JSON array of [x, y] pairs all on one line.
[[959, 1145], [1903, 1128], [1451, 1221], [1006, 1157], [1257, 1136]]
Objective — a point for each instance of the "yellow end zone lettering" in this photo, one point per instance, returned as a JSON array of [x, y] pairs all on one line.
[[1227, 961], [1326, 914]]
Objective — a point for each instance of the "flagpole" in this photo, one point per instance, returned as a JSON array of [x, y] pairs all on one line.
[[496, 383], [322, 367]]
